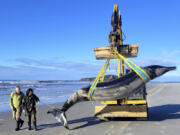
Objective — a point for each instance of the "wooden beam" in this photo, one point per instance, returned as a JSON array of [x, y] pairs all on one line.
[[125, 50], [121, 111]]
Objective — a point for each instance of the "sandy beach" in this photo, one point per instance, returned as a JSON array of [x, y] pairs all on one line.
[[164, 118], [79, 116]]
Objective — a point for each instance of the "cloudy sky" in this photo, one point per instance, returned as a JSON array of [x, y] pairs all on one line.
[[54, 39]]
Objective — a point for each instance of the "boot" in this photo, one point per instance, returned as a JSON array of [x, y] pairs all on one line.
[[17, 126], [35, 127], [29, 125], [21, 122]]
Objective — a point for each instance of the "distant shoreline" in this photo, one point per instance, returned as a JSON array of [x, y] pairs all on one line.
[[84, 79]]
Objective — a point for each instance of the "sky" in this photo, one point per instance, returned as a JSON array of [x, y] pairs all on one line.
[[54, 39]]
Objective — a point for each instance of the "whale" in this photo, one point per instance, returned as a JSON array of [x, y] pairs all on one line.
[[127, 84]]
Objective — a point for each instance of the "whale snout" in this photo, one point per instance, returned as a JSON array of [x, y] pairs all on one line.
[[157, 70], [163, 70], [172, 68]]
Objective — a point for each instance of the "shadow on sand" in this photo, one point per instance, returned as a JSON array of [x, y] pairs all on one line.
[[89, 121], [156, 113], [164, 112], [43, 126]]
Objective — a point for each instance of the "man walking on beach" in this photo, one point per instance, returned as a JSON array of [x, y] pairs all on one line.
[[16, 102]]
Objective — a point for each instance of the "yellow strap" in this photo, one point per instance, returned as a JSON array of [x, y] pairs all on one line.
[[126, 60], [102, 79], [94, 84], [119, 68], [109, 68], [115, 69], [128, 67], [141, 69]]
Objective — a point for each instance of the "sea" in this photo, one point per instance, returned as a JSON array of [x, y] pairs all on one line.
[[49, 92]]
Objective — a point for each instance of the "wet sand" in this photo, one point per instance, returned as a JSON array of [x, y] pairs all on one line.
[[164, 118]]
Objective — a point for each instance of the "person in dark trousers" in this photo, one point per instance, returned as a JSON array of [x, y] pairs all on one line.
[[17, 100], [31, 108]]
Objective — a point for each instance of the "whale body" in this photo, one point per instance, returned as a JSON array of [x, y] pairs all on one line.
[[127, 84]]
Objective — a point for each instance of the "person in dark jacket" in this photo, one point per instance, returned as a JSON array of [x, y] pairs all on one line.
[[31, 108]]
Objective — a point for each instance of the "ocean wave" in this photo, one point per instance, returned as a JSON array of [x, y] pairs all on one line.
[[46, 98], [4, 104], [47, 91], [13, 82]]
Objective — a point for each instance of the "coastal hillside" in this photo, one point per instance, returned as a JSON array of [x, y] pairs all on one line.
[[106, 78]]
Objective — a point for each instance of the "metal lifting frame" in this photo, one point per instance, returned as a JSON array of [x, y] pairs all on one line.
[[131, 66]]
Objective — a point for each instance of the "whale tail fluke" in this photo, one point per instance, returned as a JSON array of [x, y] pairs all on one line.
[[59, 116], [64, 120]]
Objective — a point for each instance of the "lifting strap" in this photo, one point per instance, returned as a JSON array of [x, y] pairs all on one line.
[[139, 71], [94, 84]]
